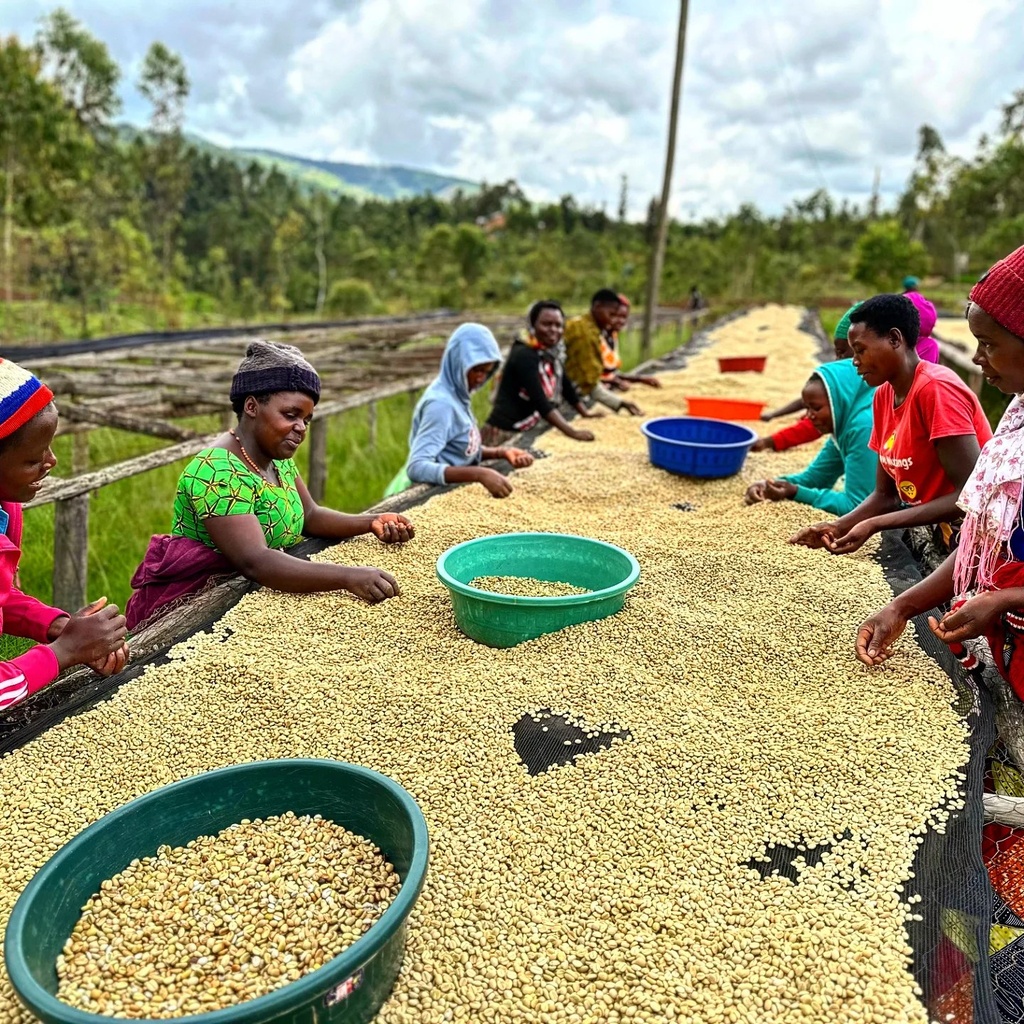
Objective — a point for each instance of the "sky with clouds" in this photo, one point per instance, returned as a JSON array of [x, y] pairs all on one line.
[[780, 97]]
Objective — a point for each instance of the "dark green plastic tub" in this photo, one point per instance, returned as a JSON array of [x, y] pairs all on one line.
[[350, 988], [498, 620]]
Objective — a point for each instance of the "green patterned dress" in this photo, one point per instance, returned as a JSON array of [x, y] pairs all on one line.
[[218, 483]]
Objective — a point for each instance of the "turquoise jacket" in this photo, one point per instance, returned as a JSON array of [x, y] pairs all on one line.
[[846, 452]]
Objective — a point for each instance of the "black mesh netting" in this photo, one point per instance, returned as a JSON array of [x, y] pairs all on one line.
[[951, 940]]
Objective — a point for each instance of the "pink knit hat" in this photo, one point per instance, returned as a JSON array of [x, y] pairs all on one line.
[[1000, 292]]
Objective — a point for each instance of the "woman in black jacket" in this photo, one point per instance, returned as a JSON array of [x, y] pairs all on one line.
[[533, 383]]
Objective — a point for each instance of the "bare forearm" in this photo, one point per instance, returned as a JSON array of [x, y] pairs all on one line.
[[796, 405], [876, 504], [1009, 600], [467, 474], [325, 522], [556, 419], [941, 510], [932, 591], [281, 571]]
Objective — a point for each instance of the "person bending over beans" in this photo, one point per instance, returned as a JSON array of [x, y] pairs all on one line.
[[444, 442], [803, 431], [611, 359], [839, 403], [928, 429], [241, 502], [586, 339], [93, 636], [533, 380], [985, 576]]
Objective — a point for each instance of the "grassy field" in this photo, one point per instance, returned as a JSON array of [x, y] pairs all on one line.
[[124, 515]]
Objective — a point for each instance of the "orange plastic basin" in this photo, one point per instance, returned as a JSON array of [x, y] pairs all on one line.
[[724, 408], [740, 363]]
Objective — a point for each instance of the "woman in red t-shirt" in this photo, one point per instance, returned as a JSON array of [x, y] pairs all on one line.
[[928, 431]]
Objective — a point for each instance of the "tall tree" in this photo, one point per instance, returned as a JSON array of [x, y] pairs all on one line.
[[81, 68], [33, 125], [164, 82]]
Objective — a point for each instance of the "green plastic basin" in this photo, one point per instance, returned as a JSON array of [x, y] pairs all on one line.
[[349, 988], [499, 620]]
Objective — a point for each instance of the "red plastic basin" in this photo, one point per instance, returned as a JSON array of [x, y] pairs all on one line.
[[724, 408], [737, 364]]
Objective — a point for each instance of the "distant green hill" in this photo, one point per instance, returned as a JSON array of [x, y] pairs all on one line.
[[385, 181], [362, 181]]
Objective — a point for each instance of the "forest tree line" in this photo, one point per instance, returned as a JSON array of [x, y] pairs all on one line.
[[97, 217]]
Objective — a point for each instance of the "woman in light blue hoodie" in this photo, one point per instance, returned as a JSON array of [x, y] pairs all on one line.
[[838, 402], [444, 442]]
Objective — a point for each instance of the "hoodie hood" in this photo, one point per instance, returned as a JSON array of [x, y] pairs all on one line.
[[470, 345], [851, 399], [444, 430]]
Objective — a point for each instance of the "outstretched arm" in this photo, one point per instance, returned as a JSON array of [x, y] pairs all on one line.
[[326, 522], [240, 539]]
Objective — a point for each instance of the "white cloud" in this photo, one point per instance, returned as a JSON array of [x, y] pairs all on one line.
[[780, 96]]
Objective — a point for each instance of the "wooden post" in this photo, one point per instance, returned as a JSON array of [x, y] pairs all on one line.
[[317, 482], [371, 417], [71, 552], [80, 452], [658, 250]]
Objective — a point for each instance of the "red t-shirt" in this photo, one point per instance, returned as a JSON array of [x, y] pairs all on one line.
[[939, 405]]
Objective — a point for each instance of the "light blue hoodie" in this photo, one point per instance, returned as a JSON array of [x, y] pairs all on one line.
[[444, 431], [846, 452]]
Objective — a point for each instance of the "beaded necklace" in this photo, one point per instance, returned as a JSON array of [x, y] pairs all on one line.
[[261, 473]]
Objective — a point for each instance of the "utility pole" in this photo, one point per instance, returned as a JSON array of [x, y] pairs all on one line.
[[658, 252]]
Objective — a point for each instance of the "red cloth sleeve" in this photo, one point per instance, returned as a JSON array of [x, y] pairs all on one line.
[[25, 616], [25, 674], [799, 433]]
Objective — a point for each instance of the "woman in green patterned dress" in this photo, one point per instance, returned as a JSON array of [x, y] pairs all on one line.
[[241, 502]]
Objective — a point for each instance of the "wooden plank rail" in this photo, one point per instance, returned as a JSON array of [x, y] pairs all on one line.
[[122, 421], [70, 487]]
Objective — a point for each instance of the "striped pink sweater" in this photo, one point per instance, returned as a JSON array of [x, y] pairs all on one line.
[[21, 615]]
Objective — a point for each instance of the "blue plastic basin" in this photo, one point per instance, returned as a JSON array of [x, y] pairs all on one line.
[[695, 446]]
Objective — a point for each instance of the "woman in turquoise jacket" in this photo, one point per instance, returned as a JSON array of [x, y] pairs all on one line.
[[838, 402]]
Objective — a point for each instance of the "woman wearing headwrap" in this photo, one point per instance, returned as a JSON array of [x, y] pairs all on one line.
[[927, 346], [93, 636], [533, 382], [838, 403], [985, 575], [804, 431], [444, 440], [241, 502]]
